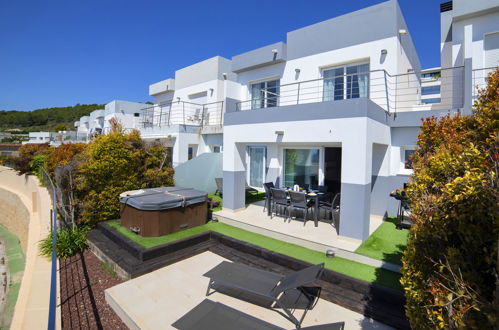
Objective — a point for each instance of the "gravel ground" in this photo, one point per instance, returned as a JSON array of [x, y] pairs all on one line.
[[83, 281]]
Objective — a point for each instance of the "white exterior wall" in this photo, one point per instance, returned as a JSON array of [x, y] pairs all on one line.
[[478, 27]]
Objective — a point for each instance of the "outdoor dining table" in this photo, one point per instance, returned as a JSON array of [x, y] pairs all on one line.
[[312, 195]]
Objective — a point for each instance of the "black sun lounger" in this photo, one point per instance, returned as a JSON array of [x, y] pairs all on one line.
[[285, 292], [210, 315]]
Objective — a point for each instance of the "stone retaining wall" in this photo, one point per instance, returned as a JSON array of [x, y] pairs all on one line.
[[15, 216], [32, 307]]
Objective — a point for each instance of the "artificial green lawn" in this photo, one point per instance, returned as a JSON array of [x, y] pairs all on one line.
[[16, 262], [340, 265], [386, 243], [251, 197]]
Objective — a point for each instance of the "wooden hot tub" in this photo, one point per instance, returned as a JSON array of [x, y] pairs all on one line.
[[161, 211]]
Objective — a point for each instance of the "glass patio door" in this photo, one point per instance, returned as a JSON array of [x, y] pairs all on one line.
[[256, 160]]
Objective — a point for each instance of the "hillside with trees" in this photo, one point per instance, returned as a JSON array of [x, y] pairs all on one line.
[[46, 119]]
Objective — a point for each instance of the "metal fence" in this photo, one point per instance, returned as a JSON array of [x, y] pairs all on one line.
[[404, 92], [182, 113], [49, 184]]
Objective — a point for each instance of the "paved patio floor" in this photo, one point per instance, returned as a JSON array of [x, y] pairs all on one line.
[[325, 235], [158, 299]]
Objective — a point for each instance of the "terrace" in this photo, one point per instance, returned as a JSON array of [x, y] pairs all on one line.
[[358, 294]]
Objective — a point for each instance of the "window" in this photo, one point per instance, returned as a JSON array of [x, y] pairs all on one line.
[[427, 90], [265, 94], [408, 158], [435, 75], [346, 82], [301, 166], [190, 153], [430, 101], [216, 149], [136, 114], [257, 161]]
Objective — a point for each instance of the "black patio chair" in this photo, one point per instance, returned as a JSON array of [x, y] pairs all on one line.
[[332, 209], [268, 195], [298, 201], [287, 292], [279, 200]]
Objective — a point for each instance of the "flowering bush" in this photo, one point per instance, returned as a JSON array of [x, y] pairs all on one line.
[[450, 264]]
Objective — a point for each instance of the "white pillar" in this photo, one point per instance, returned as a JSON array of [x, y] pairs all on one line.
[[468, 67], [234, 175], [356, 163]]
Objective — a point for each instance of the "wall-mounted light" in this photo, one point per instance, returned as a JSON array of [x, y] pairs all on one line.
[[279, 132], [297, 70], [178, 99], [211, 90], [224, 75], [402, 31], [275, 51], [384, 52]]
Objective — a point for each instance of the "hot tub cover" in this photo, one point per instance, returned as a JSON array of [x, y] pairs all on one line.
[[162, 198]]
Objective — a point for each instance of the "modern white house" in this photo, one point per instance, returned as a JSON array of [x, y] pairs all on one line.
[[39, 137], [344, 109]]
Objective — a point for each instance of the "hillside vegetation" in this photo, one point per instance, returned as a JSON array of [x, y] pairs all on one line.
[[47, 119]]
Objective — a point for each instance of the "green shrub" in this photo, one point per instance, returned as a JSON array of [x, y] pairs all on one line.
[[69, 242], [449, 268]]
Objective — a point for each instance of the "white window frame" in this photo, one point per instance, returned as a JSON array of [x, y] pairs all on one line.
[[282, 162], [265, 166], [259, 81], [402, 169], [345, 66]]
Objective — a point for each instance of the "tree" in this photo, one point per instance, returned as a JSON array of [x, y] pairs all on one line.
[[449, 268]]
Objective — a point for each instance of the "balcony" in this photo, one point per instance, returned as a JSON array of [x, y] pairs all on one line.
[[392, 93], [182, 113]]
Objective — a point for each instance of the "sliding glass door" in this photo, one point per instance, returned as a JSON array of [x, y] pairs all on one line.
[[301, 167], [256, 168]]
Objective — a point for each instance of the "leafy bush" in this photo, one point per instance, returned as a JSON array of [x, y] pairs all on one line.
[[450, 264], [68, 242], [23, 163], [115, 163]]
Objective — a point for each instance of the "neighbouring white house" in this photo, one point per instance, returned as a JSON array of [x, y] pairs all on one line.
[[187, 114], [39, 137], [99, 121]]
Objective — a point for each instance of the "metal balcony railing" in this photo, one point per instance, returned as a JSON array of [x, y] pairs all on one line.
[[391, 92], [182, 113]]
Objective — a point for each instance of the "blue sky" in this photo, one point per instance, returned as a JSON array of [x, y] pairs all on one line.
[[63, 52]]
